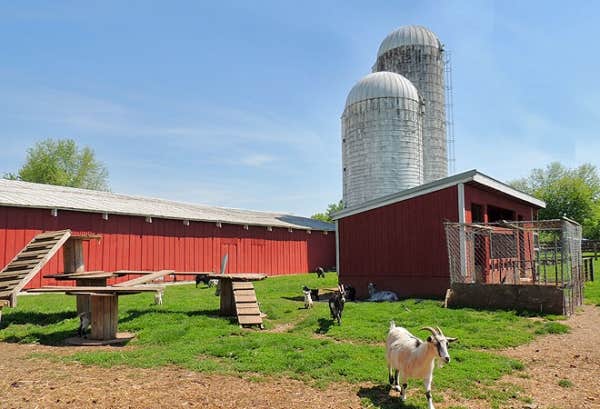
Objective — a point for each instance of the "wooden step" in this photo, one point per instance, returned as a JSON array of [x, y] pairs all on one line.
[[29, 253], [22, 263], [5, 293], [242, 285], [239, 293], [245, 298], [58, 233], [14, 273], [254, 310], [8, 284], [250, 320]]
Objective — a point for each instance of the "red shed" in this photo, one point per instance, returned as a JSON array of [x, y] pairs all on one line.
[[398, 241], [141, 233]]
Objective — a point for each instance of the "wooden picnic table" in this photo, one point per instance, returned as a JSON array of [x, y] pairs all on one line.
[[228, 304]]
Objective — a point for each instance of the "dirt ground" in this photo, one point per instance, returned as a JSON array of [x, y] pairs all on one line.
[[39, 383]]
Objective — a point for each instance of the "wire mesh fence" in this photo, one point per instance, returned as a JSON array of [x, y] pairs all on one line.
[[546, 252]]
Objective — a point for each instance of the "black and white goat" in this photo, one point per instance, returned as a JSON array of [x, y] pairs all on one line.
[[84, 323], [409, 357], [336, 304], [378, 296], [308, 301], [320, 272]]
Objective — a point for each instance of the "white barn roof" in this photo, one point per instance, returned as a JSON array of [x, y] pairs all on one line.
[[470, 176], [35, 195]]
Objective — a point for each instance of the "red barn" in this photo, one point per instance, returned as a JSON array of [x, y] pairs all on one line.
[[398, 241], [153, 234]]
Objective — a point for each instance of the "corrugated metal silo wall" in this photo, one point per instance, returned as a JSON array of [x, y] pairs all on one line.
[[399, 247], [424, 67], [129, 243], [381, 148]]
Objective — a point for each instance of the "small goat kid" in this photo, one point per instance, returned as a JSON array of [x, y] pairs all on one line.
[[336, 304], [409, 357], [84, 323], [320, 272], [158, 297], [308, 302], [377, 296]]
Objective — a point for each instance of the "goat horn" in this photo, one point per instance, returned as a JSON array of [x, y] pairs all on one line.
[[433, 331], [439, 331]]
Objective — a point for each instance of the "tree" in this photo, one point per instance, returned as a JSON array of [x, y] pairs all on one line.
[[574, 193], [326, 216], [61, 162]]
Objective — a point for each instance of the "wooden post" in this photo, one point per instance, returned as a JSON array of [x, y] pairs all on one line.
[[227, 300], [105, 316], [73, 256], [83, 301]]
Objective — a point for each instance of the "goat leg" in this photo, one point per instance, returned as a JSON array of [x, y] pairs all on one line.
[[427, 382]]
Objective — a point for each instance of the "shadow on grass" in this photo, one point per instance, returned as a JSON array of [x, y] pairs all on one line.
[[35, 318], [52, 339], [298, 298], [379, 396], [324, 325]]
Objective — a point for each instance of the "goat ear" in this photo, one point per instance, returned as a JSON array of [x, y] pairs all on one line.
[[451, 339]]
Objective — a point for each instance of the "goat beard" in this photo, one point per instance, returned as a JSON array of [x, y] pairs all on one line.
[[439, 362]]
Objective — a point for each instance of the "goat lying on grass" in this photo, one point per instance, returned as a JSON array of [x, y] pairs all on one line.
[[409, 357], [377, 296], [84, 323], [336, 304]]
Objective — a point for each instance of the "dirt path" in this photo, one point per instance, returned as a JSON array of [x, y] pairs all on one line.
[[574, 357], [39, 383]]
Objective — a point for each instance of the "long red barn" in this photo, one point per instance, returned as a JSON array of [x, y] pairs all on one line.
[[152, 234], [398, 241]]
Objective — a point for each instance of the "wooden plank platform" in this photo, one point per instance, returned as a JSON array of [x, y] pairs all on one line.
[[145, 279], [96, 290], [29, 261], [246, 304]]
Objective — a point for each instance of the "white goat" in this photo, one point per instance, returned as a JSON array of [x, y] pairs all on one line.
[[375, 295], [158, 297], [308, 302], [409, 357]]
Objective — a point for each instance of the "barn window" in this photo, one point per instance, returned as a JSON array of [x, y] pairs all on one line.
[[496, 214], [476, 213]]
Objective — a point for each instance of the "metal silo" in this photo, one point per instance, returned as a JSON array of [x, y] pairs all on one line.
[[381, 138], [417, 54]]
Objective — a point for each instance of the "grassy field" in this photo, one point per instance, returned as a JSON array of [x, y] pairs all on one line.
[[303, 344]]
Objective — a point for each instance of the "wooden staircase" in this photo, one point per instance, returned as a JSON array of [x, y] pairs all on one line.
[[246, 304], [25, 265]]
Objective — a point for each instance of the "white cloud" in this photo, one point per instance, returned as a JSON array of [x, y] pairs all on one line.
[[257, 160]]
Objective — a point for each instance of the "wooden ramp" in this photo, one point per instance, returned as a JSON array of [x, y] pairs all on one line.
[[246, 304], [29, 262]]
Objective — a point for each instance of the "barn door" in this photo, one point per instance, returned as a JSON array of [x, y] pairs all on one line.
[[230, 247]]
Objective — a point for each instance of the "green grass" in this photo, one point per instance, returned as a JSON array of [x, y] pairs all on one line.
[[565, 383], [186, 331]]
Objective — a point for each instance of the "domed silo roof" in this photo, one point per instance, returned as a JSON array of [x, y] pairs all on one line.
[[409, 35], [381, 85]]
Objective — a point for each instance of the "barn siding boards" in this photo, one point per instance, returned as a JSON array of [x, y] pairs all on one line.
[[401, 246], [130, 243]]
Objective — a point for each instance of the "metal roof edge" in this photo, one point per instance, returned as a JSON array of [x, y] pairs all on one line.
[[407, 194], [506, 189], [472, 175]]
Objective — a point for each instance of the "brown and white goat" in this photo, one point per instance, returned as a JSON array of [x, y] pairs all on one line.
[[409, 357]]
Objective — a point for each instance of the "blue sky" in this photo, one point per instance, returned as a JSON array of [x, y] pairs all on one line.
[[238, 104]]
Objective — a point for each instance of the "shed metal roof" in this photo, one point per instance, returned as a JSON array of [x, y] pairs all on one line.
[[470, 176], [35, 195]]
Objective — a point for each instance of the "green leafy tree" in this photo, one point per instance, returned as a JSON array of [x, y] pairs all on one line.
[[331, 209], [574, 193], [61, 162]]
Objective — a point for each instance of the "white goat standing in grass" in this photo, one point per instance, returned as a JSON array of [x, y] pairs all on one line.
[[409, 357], [375, 295], [158, 297]]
